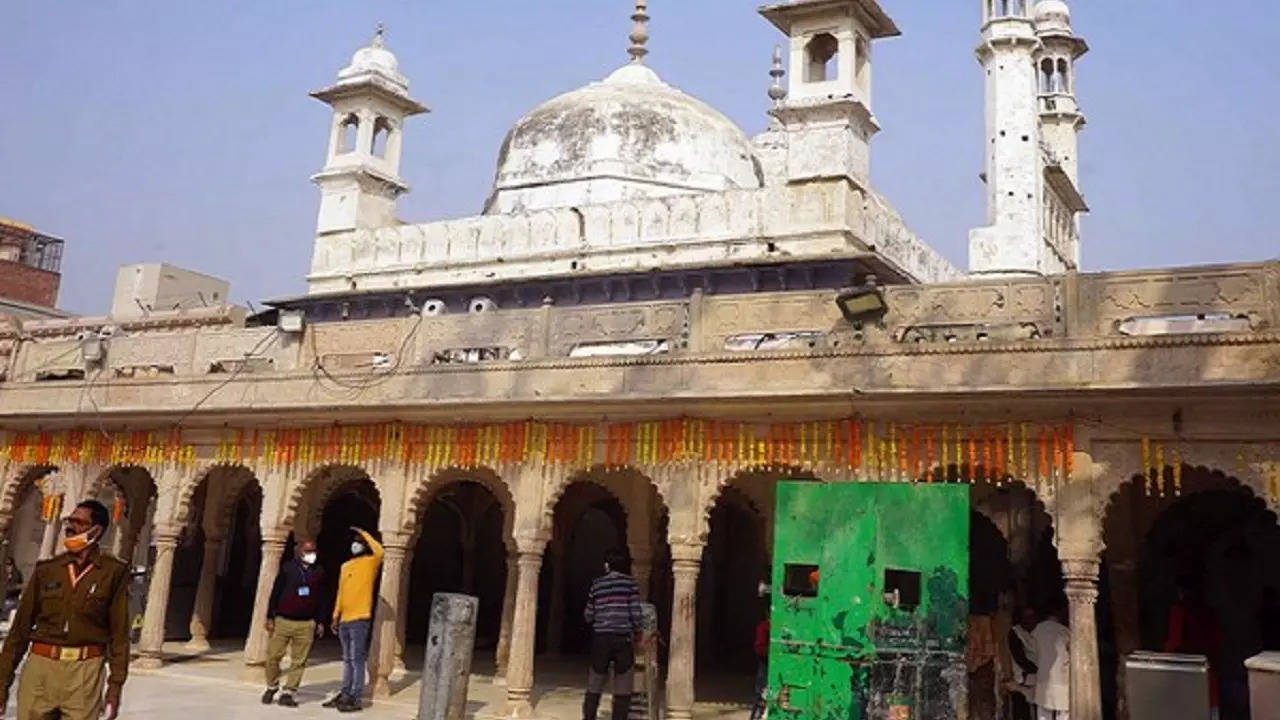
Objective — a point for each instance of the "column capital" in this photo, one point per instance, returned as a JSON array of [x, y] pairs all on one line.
[[275, 540], [1081, 571], [527, 543], [396, 553], [686, 553], [166, 535]]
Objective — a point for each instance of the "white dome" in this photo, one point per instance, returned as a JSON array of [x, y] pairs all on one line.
[[375, 59], [628, 136], [1052, 11]]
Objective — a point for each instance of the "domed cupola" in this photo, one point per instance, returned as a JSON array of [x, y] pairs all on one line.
[[630, 135]]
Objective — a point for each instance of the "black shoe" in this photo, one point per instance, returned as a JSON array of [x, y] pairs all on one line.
[[286, 700], [268, 696], [334, 701], [621, 707], [350, 706]]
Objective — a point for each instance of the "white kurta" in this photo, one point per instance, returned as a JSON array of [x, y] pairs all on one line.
[[1053, 661]]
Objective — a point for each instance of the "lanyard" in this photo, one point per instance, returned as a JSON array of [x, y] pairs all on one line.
[[76, 578]]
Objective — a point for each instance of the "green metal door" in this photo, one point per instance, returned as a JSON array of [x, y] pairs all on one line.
[[869, 601]]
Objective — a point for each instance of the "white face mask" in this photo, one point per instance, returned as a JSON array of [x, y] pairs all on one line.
[[356, 548], [309, 558]]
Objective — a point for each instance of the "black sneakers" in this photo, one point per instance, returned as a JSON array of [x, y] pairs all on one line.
[[268, 696], [286, 700], [349, 706], [334, 701]]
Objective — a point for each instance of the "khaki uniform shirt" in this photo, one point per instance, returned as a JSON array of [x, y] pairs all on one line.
[[95, 611]]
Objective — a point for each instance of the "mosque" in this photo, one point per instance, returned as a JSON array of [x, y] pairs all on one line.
[[655, 319]]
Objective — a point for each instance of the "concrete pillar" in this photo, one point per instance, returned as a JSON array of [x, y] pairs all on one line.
[[386, 614], [555, 611], [49, 541], [1082, 596], [523, 625], [446, 666], [402, 612], [255, 646], [150, 647], [685, 561], [202, 613], [503, 652]]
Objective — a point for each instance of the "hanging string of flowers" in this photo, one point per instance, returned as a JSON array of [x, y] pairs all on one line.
[[1036, 454], [154, 448]]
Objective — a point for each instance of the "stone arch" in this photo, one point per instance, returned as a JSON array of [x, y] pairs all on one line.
[[745, 477], [15, 484], [427, 491], [609, 478], [323, 478], [1133, 511]]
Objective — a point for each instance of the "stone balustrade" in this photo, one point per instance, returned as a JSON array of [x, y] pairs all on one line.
[[1206, 306], [792, 223]]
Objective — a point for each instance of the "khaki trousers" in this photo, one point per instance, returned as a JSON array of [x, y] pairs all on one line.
[[74, 687], [296, 636]]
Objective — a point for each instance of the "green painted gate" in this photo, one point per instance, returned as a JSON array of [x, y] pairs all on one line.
[[869, 601]]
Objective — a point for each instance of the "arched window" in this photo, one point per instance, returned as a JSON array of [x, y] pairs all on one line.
[[1046, 76], [1064, 76], [822, 54], [347, 133], [381, 133]]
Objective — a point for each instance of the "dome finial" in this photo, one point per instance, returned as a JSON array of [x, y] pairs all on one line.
[[640, 33], [777, 93], [378, 34]]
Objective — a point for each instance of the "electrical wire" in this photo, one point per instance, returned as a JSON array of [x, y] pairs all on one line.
[[359, 386], [253, 352]]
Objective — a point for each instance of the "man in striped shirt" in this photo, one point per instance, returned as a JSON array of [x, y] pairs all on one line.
[[613, 611]]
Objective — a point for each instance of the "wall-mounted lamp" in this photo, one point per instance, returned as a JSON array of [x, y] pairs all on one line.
[[861, 303]]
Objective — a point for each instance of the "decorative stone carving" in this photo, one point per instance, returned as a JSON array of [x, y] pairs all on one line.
[[1241, 290]]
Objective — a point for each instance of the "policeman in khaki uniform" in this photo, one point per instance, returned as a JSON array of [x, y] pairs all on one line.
[[74, 616]]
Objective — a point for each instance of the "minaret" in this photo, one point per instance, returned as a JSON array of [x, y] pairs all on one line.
[[826, 110], [1060, 125], [361, 177], [1011, 241]]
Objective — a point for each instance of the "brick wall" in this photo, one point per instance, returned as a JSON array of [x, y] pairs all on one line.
[[27, 284]]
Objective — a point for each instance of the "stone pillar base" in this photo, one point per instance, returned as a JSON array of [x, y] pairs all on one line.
[[148, 662]]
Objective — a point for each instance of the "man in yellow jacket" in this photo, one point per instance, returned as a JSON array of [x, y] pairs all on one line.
[[353, 617]]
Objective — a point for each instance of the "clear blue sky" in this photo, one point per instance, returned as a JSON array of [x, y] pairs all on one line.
[[145, 130]]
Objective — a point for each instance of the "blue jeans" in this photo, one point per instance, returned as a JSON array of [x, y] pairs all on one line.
[[354, 636]]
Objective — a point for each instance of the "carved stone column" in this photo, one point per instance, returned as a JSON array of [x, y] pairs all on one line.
[[503, 653], [524, 619], [1082, 596], [685, 561], [386, 614], [49, 541], [555, 611], [202, 613], [255, 646], [402, 612], [150, 647]]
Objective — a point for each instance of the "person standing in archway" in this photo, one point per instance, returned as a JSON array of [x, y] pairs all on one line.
[[1193, 630], [74, 614], [294, 620], [353, 617], [616, 618], [1053, 664]]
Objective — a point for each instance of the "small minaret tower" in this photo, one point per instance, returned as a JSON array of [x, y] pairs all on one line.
[[1060, 125], [361, 177], [825, 112], [1011, 240]]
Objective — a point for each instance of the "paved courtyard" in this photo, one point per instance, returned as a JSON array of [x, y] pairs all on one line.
[[218, 685]]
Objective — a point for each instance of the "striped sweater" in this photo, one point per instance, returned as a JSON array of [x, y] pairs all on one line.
[[613, 605]]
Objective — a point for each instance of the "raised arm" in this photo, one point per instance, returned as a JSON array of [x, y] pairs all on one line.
[[375, 547]]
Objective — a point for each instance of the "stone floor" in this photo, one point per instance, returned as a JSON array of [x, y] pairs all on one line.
[[217, 684]]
